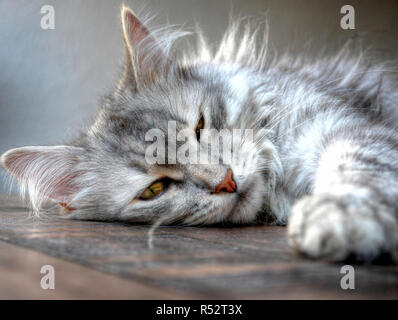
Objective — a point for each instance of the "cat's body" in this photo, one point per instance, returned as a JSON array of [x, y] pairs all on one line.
[[327, 165]]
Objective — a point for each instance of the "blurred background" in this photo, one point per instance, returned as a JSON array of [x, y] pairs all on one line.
[[51, 81]]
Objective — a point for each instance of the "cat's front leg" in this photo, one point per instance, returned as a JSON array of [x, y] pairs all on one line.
[[333, 227], [351, 212]]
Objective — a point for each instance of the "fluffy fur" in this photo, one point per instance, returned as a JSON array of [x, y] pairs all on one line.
[[327, 163]]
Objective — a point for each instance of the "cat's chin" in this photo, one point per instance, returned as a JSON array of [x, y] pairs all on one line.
[[249, 202]]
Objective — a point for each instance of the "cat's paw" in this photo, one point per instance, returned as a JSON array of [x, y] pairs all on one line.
[[330, 227]]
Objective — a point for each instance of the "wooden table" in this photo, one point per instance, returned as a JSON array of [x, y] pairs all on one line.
[[97, 260]]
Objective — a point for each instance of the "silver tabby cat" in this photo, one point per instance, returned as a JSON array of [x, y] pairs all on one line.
[[327, 165]]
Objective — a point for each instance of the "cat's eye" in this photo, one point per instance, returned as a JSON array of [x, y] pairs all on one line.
[[153, 190], [199, 126]]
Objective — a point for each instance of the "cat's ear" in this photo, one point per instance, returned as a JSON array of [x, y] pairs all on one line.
[[144, 56], [46, 172]]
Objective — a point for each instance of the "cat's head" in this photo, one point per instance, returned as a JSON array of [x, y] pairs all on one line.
[[106, 174]]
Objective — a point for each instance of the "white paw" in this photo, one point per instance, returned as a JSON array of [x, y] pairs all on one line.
[[333, 227]]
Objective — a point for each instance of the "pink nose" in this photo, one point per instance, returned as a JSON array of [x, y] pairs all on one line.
[[228, 184]]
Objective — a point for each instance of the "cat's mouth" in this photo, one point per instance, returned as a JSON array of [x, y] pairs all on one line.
[[248, 201], [241, 198]]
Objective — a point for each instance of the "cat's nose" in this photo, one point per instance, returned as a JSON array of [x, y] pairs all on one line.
[[228, 184]]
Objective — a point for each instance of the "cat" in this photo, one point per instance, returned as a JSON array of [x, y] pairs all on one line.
[[327, 164]]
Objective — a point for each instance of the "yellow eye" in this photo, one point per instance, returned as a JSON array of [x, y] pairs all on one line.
[[152, 191], [199, 126]]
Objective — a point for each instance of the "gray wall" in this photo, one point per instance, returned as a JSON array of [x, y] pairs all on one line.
[[51, 80]]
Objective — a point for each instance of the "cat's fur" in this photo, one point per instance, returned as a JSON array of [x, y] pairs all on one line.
[[328, 165]]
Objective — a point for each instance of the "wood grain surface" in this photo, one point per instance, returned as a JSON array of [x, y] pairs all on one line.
[[112, 260]]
